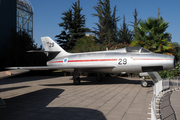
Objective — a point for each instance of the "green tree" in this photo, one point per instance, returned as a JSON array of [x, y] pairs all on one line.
[[176, 51], [135, 23], [85, 44], [158, 15], [107, 28], [15, 53], [88, 44], [170, 73], [124, 34], [152, 36], [64, 40], [74, 26]]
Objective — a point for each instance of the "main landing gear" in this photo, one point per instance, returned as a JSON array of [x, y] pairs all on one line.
[[76, 77], [99, 77]]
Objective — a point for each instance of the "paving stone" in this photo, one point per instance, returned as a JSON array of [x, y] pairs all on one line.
[[54, 98]]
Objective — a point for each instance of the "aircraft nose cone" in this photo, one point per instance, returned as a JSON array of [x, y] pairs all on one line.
[[173, 63]]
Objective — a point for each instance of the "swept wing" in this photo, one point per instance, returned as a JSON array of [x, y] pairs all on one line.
[[61, 67]]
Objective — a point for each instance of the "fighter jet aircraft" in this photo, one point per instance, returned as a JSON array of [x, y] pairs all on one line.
[[126, 60]]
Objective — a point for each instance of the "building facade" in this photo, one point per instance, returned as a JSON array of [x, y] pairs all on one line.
[[15, 14]]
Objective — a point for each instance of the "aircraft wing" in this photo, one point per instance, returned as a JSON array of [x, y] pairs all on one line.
[[60, 67]]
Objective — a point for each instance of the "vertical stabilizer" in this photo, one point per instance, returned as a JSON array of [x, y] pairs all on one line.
[[52, 47]]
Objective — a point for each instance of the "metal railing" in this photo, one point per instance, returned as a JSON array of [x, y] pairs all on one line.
[[165, 84], [156, 90], [160, 88], [174, 82], [153, 108]]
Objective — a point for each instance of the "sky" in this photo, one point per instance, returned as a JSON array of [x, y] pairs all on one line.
[[48, 13]]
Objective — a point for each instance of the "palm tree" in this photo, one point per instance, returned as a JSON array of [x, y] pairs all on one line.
[[151, 35]]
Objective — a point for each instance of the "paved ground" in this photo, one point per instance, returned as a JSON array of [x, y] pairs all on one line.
[[56, 98], [6, 74], [175, 103], [167, 112]]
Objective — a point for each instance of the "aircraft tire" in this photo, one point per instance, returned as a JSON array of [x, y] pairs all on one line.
[[77, 81], [99, 78], [144, 83]]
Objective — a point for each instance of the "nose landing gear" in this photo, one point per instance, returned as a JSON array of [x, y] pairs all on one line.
[[144, 83]]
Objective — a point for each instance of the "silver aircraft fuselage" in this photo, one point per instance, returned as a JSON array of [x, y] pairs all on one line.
[[126, 60], [123, 60]]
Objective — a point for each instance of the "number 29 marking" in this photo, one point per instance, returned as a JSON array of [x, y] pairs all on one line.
[[51, 44], [122, 61]]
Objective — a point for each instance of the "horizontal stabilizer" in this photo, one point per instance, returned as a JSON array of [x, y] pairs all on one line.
[[44, 51]]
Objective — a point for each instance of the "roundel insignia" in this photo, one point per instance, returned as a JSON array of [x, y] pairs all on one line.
[[65, 60]]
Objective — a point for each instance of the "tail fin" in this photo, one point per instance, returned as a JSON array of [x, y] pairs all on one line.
[[52, 47]]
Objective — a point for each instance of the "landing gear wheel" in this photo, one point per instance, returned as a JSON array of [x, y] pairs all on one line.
[[99, 78], [77, 81], [76, 77], [144, 83]]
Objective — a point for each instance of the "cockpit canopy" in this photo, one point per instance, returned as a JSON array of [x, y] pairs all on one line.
[[137, 49]]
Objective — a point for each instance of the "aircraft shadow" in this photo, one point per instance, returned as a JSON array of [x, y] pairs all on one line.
[[32, 106], [21, 78], [12, 88], [106, 80]]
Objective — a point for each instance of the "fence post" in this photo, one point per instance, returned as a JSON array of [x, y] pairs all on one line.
[[177, 81]]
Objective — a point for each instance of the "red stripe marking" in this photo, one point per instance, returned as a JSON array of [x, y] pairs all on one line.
[[92, 60], [56, 62], [150, 59]]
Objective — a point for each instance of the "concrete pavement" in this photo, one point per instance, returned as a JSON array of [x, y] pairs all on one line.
[[10, 73], [175, 103], [56, 98]]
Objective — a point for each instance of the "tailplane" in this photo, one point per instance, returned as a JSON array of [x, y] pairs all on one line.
[[52, 47]]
